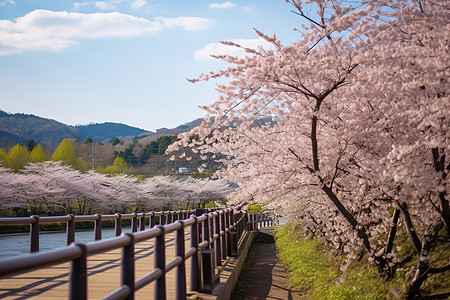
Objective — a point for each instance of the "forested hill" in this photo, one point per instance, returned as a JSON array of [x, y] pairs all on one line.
[[106, 131], [20, 128], [16, 128]]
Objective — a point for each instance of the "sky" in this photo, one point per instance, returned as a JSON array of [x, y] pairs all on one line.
[[124, 61]]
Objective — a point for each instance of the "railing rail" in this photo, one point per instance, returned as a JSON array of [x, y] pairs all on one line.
[[219, 230], [164, 217]]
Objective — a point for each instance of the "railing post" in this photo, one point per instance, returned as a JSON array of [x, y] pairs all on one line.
[[162, 220], [127, 275], [142, 222], [70, 230], [217, 243], [223, 237], [206, 231], [209, 275], [78, 275], [134, 223], [181, 269], [227, 219], [160, 263], [152, 220], [98, 227], [198, 213], [34, 234], [232, 216], [195, 275], [232, 243], [118, 224]]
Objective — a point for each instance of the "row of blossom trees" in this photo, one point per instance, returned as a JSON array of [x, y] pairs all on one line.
[[358, 143], [54, 188]]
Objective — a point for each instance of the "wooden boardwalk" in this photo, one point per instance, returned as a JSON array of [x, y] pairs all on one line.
[[103, 275]]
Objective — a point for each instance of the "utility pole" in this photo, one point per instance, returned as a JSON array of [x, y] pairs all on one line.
[[93, 155]]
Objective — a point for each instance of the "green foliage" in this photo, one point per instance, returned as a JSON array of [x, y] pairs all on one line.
[[64, 153], [30, 144], [153, 147], [3, 155], [146, 153], [115, 141], [119, 166], [17, 157], [37, 154], [120, 163], [129, 156], [254, 208], [164, 142], [205, 174], [210, 204], [317, 275], [89, 141]]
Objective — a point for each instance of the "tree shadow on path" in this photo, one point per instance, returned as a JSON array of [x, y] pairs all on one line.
[[263, 276]]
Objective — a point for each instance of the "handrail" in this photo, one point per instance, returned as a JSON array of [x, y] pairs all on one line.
[[34, 221], [207, 229]]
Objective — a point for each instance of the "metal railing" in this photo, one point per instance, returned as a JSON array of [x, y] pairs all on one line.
[[259, 220], [215, 231]]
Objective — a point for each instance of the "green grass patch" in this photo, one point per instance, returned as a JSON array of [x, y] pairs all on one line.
[[317, 275], [254, 208]]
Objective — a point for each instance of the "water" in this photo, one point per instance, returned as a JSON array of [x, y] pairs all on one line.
[[19, 244]]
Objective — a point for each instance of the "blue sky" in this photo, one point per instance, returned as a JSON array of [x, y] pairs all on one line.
[[123, 61]]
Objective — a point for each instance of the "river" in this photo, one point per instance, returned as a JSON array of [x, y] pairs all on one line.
[[19, 244]]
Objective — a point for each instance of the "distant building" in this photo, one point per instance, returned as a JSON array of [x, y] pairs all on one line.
[[183, 170]]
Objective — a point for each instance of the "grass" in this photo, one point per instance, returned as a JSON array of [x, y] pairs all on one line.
[[315, 274]]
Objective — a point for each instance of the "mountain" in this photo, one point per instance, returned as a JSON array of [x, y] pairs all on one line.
[[149, 136], [106, 131], [17, 128]]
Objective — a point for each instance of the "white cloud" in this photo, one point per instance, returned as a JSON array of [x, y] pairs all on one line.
[[54, 31], [7, 2], [104, 5], [221, 49], [187, 23], [137, 4], [78, 5], [249, 8], [222, 5]]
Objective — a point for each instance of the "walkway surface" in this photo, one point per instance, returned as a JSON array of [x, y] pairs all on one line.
[[264, 276], [103, 275]]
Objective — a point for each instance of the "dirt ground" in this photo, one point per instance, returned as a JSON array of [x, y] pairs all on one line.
[[263, 276]]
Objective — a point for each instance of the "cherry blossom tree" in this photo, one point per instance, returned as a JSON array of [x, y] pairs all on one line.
[[356, 125], [55, 188], [171, 192]]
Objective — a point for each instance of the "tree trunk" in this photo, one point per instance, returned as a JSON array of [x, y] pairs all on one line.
[[439, 166], [409, 227], [422, 268], [348, 216]]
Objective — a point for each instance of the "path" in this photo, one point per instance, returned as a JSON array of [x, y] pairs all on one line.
[[263, 276]]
